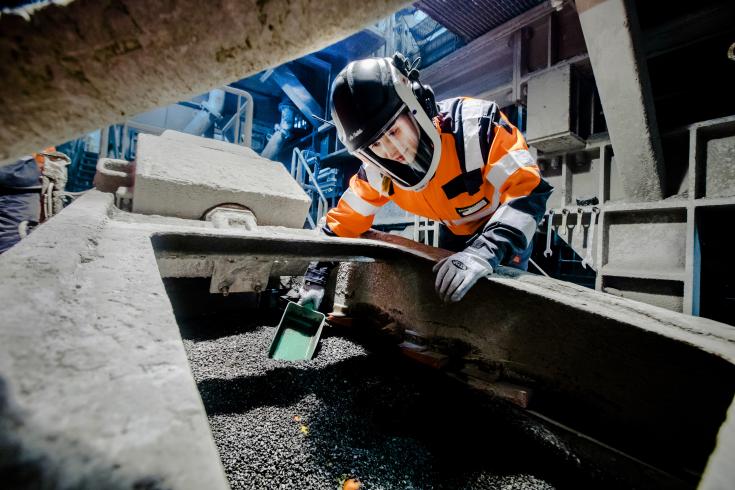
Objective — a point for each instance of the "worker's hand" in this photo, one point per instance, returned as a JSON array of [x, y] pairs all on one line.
[[456, 274], [311, 296]]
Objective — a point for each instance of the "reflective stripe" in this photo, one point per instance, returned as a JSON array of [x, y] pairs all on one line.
[[496, 198], [517, 219], [474, 217], [506, 166], [472, 111], [359, 204]]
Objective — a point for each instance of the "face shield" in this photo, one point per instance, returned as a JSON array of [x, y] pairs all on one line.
[[404, 151]]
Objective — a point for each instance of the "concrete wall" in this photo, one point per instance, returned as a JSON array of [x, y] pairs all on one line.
[[70, 69]]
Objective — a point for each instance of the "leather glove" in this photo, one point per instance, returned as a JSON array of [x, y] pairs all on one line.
[[311, 295], [456, 274]]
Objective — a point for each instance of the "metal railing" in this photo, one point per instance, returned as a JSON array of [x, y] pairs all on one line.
[[247, 131], [240, 129], [429, 228], [298, 166]]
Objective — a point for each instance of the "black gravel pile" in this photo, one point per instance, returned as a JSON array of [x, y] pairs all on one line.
[[348, 413]]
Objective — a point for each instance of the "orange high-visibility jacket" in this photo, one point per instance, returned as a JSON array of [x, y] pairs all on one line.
[[486, 177]]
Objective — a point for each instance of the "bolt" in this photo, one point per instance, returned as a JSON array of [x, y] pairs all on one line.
[[225, 290]]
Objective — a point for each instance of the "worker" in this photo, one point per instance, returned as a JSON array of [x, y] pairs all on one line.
[[20, 199], [54, 177], [459, 162]]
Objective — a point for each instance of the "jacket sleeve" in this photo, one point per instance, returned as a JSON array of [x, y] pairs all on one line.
[[352, 217], [355, 211], [520, 192]]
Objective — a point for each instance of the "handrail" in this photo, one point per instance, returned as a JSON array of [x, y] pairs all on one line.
[[248, 131], [322, 203]]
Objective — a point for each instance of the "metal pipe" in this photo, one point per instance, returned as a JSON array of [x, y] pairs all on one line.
[[293, 165], [237, 120], [202, 120], [274, 145], [104, 141]]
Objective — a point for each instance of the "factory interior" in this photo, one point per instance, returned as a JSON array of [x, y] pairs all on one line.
[[212, 278]]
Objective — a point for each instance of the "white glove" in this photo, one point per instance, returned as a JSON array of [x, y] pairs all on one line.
[[311, 296], [456, 274]]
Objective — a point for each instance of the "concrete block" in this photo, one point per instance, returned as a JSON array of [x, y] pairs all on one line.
[[186, 176], [646, 241], [720, 170], [661, 293], [210, 143], [549, 116]]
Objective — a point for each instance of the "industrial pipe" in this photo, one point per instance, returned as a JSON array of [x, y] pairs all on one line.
[[202, 120]]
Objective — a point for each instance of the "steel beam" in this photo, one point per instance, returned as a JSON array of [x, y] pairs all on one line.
[[297, 93]]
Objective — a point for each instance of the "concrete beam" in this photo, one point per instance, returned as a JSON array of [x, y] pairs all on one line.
[[595, 362], [95, 387], [720, 473], [69, 69], [614, 43], [618, 371]]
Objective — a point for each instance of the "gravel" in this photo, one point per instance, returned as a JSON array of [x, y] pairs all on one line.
[[348, 413]]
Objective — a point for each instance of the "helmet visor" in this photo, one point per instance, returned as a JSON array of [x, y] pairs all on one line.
[[403, 151]]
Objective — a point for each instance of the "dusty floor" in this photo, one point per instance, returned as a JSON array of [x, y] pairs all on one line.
[[349, 413]]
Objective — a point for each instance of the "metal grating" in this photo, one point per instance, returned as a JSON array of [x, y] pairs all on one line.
[[470, 19]]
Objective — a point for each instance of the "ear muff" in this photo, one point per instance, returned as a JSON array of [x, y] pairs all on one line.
[[426, 98]]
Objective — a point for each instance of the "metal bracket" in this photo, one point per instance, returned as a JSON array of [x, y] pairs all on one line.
[[240, 275]]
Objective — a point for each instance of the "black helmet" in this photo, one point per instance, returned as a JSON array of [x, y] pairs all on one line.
[[372, 99]]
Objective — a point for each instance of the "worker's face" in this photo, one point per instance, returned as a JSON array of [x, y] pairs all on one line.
[[400, 141]]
